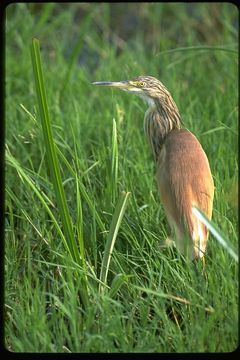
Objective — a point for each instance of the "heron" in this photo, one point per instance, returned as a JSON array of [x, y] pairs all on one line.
[[183, 172]]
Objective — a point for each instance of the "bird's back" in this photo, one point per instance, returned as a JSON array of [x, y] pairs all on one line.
[[184, 180]]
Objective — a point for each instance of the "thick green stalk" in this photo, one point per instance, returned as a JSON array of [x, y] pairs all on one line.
[[52, 160]]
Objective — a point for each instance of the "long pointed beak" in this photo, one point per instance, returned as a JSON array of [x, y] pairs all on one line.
[[118, 84]]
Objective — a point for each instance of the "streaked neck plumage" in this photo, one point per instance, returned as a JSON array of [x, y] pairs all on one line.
[[161, 117]]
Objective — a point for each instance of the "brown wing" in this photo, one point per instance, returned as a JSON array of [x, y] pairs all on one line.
[[185, 179]]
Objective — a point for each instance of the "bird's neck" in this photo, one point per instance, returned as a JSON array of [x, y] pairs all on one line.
[[160, 119]]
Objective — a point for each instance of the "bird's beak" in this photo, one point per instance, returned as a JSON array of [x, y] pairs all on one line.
[[124, 85]]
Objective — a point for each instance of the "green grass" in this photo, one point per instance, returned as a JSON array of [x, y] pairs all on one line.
[[83, 232]]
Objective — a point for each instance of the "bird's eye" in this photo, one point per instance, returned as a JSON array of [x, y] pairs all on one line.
[[141, 83]]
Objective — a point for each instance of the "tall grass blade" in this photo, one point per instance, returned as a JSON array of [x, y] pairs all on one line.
[[51, 150], [114, 164], [214, 231], [53, 161], [80, 225], [199, 47], [114, 227]]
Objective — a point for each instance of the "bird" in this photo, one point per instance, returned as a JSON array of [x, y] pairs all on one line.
[[183, 172]]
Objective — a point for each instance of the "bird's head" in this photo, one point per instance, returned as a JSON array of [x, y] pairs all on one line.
[[147, 87]]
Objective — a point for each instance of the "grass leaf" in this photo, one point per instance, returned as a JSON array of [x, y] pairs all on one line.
[[115, 224], [114, 163], [215, 232], [53, 161]]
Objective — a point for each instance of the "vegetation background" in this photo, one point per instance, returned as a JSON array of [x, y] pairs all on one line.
[[153, 300]]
